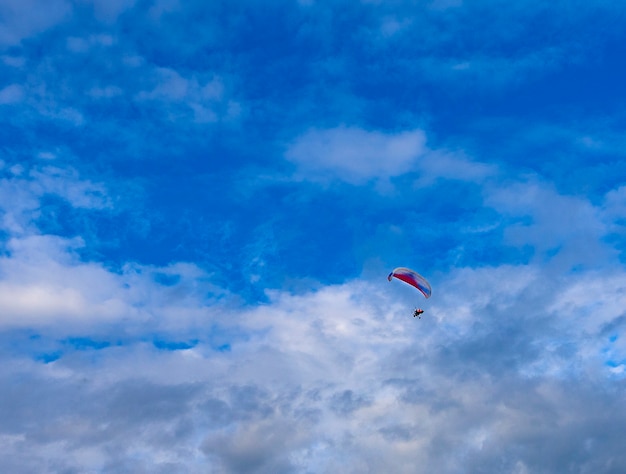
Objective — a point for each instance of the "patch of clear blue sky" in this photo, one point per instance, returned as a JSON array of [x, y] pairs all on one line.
[[180, 187], [48, 346]]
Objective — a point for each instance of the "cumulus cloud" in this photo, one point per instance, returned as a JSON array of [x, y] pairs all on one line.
[[358, 156], [44, 283], [338, 379], [41, 285], [355, 155]]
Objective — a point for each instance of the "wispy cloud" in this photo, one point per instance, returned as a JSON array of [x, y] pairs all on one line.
[[11, 94], [23, 188], [21, 19], [568, 227], [205, 100]]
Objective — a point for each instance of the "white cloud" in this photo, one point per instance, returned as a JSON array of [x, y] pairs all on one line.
[[11, 94], [205, 99], [85, 44], [39, 95], [106, 92], [355, 155], [109, 10], [359, 156], [67, 184], [14, 61], [24, 18], [615, 203], [43, 283], [568, 225], [18, 204], [484, 70], [445, 4], [390, 26], [340, 379], [21, 193], [453, 166], [163, 7]]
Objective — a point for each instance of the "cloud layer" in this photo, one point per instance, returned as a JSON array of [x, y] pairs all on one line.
[[335, 379]]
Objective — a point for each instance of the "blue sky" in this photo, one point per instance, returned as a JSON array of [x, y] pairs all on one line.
[[200, 203]]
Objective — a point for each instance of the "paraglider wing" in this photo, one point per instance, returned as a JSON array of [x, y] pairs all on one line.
[[412, 278]]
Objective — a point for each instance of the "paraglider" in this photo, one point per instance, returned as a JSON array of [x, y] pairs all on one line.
[[414, 279]]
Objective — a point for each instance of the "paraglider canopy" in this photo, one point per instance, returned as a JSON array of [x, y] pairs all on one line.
[[412, 278]]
